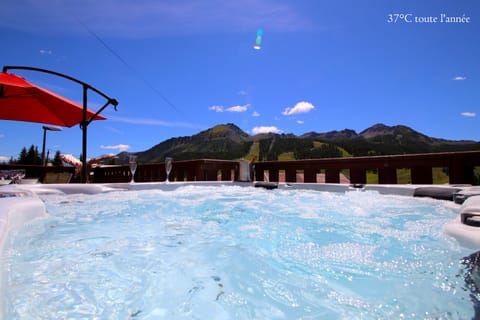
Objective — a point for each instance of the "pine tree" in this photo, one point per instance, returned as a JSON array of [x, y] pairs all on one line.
[[23, 158], [56, 160], [32, 156]]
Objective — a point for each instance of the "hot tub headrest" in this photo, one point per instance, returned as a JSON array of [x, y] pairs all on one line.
[[471, 205], [441, 193], [470, 208]]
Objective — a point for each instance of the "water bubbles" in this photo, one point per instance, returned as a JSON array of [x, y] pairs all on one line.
[[239, 253]]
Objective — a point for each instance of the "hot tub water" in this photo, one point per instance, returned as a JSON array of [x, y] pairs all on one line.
[[236, 253]]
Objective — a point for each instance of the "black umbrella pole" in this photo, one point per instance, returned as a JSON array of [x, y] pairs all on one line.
[[84, 136]]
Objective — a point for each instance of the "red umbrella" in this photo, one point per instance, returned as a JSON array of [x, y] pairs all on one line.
[[21, 100]]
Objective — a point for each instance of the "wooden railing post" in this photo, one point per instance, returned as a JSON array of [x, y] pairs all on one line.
[[387, 175], [460, 171], [310, 175], [258, 171], [190, 173], [358, 175], [291, 174], [421, 175], [273, 175], [332, 175]]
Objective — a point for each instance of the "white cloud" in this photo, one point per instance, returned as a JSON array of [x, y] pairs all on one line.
[[255, 114], [469, 114], [230, 109], [300, 121], [43, 51], [238, 108], [4, 158], [264, 129], [301, 107], [216, 108], [459, 78], [121, 147], [243, 92], [2, 135]]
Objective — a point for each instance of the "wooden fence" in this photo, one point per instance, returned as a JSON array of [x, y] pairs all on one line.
[[191, 170], [459, 166]]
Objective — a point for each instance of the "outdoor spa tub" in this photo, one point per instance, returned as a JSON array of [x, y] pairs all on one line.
[[217, 250]]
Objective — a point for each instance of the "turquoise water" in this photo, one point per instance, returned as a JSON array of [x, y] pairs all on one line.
[[237, 253]]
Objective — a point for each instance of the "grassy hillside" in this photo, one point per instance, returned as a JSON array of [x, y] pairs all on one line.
[[229, 142]]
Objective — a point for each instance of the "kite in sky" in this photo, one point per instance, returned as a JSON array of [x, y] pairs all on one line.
[[258, 41]]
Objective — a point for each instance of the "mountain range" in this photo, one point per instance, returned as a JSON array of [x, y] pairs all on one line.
[[229, 142]]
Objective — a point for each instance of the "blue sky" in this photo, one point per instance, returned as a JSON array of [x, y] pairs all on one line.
[[179, 67]]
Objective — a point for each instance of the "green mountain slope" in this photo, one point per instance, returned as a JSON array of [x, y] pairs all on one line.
[[220, 142], [229, 142]]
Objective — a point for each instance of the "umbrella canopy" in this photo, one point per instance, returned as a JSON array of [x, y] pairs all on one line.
[[21, 100]]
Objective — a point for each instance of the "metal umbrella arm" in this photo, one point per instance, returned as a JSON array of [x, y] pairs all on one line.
[[113, 102], [84, 84], [85, 122]]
